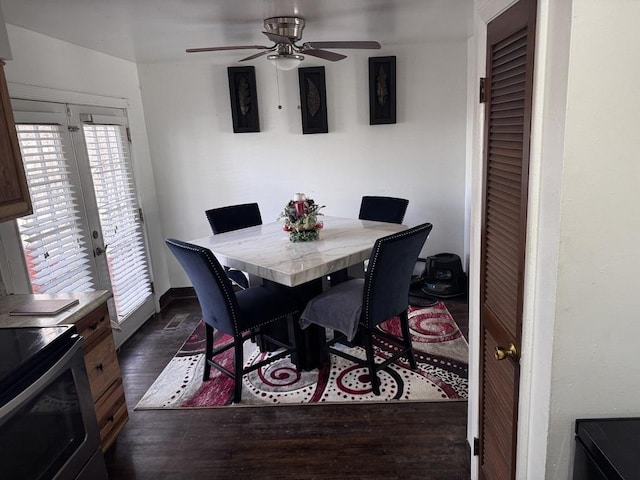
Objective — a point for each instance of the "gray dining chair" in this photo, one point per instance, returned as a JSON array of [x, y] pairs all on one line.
[[358, 306], [234, 217], [237, 314]]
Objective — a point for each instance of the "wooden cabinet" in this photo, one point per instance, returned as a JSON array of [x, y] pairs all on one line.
[[104, 373], [14, 193]]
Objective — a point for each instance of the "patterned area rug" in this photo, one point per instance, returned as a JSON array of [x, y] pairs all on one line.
[[440, 349]]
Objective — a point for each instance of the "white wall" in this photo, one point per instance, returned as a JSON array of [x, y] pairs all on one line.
[[199, 163], [67, 71], [595, 370]]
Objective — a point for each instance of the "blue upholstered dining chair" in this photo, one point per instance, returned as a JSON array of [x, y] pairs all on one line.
[[230, 312], [379, 209], [383, 209], [360, 305], [234, 217]]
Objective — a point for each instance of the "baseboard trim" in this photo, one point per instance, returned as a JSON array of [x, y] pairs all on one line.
[[175, 294]]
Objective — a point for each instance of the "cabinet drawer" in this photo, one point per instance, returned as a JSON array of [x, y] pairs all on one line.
[[94, 326], [111, 411], [102, 366]]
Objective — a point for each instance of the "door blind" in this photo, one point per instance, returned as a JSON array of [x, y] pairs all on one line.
[[114, 188], [57, 258]]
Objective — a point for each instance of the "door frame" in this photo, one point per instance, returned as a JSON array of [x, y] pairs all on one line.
[[553, 27]]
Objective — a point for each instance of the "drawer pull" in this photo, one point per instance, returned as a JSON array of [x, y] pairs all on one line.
[[110, 418], [100, 367], [93, 326]]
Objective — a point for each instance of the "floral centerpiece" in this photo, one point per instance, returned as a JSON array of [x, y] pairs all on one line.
[[301, 218]]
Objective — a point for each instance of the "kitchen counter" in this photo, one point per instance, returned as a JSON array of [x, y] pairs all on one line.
[[91, 319], [88, 302]]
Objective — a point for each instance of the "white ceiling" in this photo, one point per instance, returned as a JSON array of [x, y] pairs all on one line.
[[150, 31]]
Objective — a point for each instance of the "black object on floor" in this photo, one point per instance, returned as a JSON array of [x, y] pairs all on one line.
[[607, 449], [418, 297], [443, 276]]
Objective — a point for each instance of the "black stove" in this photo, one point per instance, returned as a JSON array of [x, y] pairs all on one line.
[[48, 426], [26, 351]]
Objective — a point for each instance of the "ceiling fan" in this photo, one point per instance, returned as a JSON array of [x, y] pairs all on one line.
[[284, 32]]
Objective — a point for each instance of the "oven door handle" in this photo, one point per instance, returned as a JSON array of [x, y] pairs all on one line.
[[6, 411]]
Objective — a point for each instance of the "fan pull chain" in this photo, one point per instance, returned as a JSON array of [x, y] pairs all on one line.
[[278, 87]]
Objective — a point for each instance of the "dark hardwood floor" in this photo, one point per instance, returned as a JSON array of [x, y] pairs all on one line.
[[351, 441]]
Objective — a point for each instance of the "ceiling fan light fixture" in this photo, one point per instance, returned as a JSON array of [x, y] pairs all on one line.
[[285, 62], [285, 32]]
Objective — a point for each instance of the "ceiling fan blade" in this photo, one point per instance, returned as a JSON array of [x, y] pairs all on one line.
[[218, 49], [347, 44], [275, 38], [255, 55], [324, 54]]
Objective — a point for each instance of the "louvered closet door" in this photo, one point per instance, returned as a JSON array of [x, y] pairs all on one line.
[[510, 42]]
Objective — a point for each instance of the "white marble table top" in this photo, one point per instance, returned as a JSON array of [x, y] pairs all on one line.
[[265, 250]]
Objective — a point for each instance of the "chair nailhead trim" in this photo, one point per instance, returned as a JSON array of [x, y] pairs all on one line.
[[271, 320], [208, 255], [365, 311]]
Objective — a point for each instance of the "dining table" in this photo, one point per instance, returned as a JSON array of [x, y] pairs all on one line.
[[267, 255]]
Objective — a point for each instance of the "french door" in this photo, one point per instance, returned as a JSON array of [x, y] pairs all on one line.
[[86, 232]]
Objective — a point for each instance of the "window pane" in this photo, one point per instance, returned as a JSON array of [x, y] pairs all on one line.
[[118, 211], [56, 256]]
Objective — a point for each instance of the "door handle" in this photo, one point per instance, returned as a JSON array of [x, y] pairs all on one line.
[[504, 352]]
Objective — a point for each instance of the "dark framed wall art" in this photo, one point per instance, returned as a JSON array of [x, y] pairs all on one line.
[[244, 99], [382, 90], [313, 100]]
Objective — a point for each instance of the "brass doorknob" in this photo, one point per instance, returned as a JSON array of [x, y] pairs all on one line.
[[510, 351]]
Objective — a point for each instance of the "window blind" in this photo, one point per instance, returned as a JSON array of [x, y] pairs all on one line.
[[114, 187], [57, 258]]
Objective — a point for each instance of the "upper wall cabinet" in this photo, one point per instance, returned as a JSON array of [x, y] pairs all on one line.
[[14, 192]]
